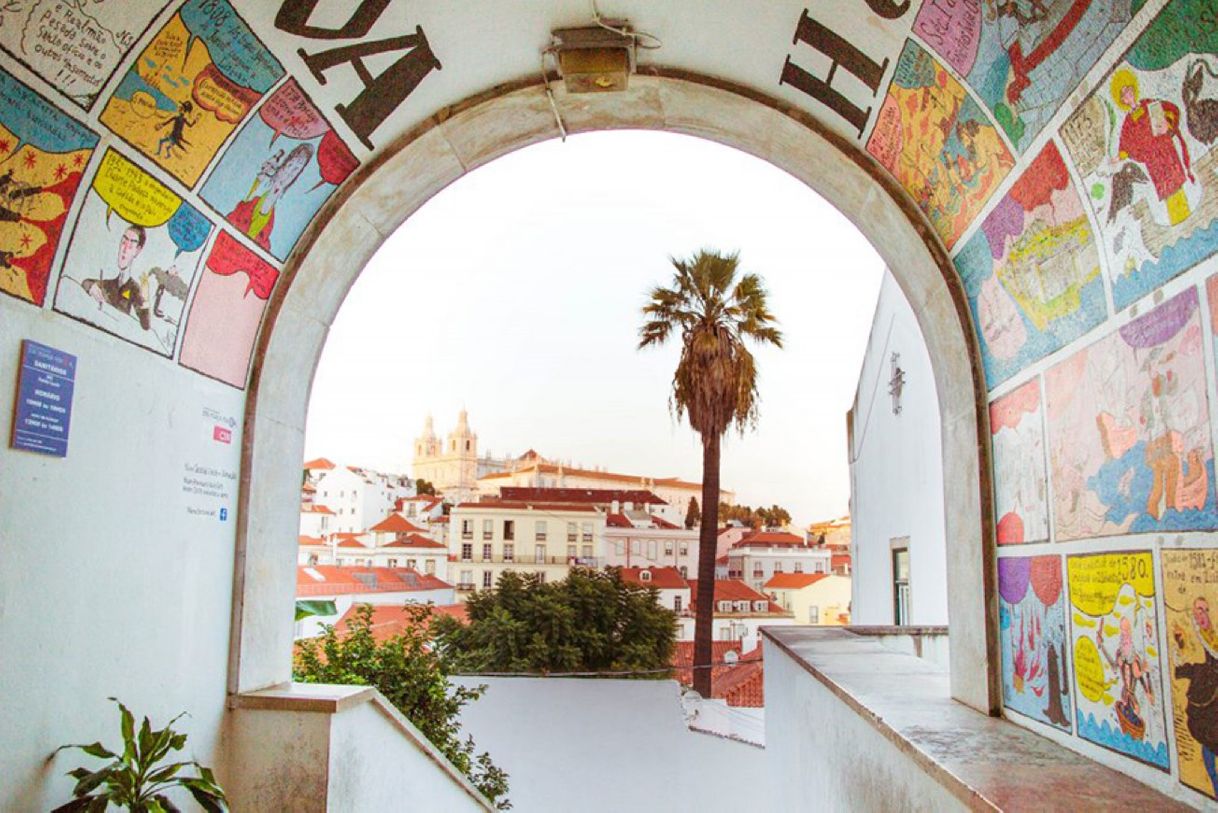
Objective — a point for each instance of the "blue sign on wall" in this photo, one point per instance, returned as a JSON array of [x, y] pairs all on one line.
[[44, 399]]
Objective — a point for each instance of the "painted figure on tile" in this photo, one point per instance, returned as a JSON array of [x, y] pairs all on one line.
[[177, 122], [1134, 673], [255, 215], [1202, 709], [1150, 134], [122, 291]]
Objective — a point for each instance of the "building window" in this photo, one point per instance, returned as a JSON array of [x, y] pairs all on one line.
[[668, 547], [467, 529], [645, 576], [634, 546], [725, 634], [539, 555], [412, 564], [539, 530], [570, 551], [684, 549], [742, 606], [757, 571], [725, 606], [651, 549], [487, 576], [587, 551], [467, 579], [778, 567], [760, 606], [486, 552], [467, 445], [572, 532], [467, 551], [587, 529], [393, 562], [541, 576], [684, 571], [676, 604], [509, 553], [429, 567], [312, 558], [488, 528], [509, 529], [799, 567], [900, 581], [814, 614]]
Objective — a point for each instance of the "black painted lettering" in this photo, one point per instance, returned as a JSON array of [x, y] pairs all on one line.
[[293, 17], [888, 9], [383, 93], [843, 54]]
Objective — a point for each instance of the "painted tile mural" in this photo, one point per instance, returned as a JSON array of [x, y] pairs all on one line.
[[1022, 59], [75, 45], [1021, 500], [938, 143], [226, 311], [1117, 680], [43, 155], [1129, 433], [1190, 589], [1032, 271], [1032, 622], [283, 165], [1144, 144], [133, 256], [194, 83]]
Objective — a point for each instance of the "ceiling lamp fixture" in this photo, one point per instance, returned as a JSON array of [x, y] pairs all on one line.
[[597, 58]]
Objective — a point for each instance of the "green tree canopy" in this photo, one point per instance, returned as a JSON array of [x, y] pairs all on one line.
[[424, 487], [413, 677], [591, 621]]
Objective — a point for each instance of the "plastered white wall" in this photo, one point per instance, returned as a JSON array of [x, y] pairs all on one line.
[[896, 471]]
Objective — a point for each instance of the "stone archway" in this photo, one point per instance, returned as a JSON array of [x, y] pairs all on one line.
[[458, 139]]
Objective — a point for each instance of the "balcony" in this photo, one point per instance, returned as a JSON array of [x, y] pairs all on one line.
[[857, 720]]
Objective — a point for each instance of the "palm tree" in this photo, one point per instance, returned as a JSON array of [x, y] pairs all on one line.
[[715, 384]]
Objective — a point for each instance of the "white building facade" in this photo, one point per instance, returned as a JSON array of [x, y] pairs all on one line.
[[896, 474], [490, 537], [757, 557], [359, 497]]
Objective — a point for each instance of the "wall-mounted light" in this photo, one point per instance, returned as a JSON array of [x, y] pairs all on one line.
[[896, 383], [595, 59]]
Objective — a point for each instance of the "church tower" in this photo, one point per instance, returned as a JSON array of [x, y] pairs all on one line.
[[450, 465]]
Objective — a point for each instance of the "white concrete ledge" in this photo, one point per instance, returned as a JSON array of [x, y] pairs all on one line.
[[279, 718], [977, 762]]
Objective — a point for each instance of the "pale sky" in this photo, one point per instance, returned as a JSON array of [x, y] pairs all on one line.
[[516, 294]]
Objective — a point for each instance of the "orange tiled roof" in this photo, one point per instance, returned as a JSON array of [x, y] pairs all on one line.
[[311, 540], [618, 521], [314, 508], [320, 464], [793, 581], [389, 620], [568, 508], [336, 579], [662, 578], [771, 538], [550, 468], [395, 524], [416, 541], [580, 495], [733, 590]]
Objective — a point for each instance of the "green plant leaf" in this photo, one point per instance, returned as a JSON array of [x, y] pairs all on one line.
[[128, 729], [166, 805], [146, 741], [95, 749], [308, 609], [85, 803], [165, 773], [209, 801], [86, 784]]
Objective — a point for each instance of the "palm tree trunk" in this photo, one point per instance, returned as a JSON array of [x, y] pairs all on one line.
[[704, 623]]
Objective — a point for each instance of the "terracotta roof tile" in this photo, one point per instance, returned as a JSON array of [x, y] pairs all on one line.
[[311, 540], [320, 464], [389, 620], [793, 581], [569, 508], [314, 508], [320, 580], [662, 578], [596, 496], [395, 523]]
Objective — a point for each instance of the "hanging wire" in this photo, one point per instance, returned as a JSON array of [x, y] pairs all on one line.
[[545, 78], [655, 42]]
